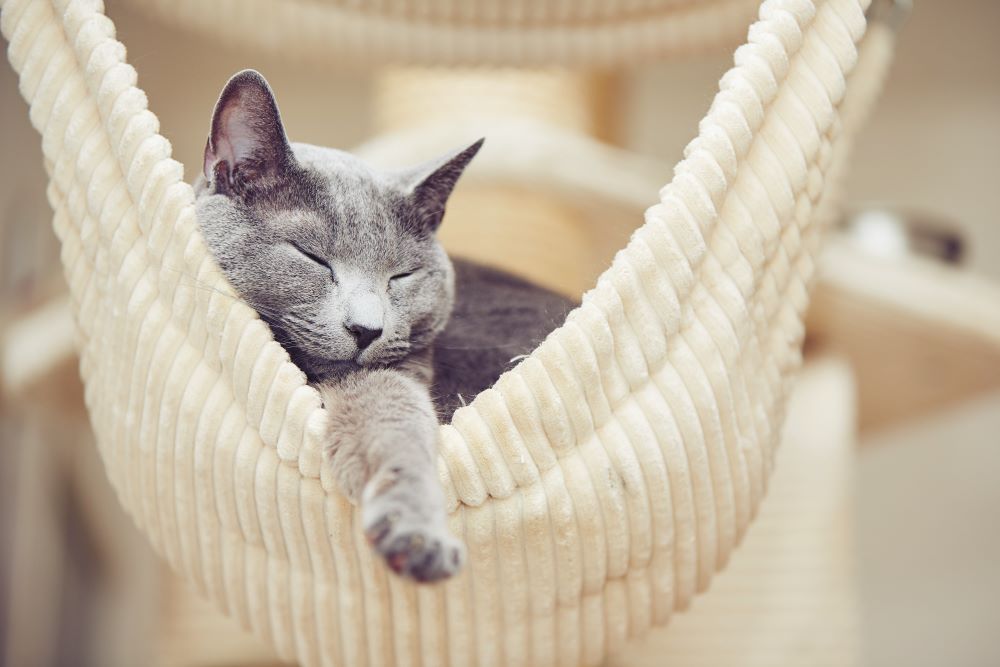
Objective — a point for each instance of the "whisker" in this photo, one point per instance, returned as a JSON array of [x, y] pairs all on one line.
[[492, 346], [198, 284]]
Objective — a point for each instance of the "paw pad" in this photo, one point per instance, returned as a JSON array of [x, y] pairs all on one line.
[[412, 546]]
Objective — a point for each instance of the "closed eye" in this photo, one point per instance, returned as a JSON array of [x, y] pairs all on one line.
[[404, 274], [314, 258]]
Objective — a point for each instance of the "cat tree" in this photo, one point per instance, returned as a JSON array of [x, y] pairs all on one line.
[[604, 480]]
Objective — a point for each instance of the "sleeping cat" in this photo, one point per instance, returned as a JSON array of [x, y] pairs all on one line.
[[342, 262]]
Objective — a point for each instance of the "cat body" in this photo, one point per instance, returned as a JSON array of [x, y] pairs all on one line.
[[341, 260]]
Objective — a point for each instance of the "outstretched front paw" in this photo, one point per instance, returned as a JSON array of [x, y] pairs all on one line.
[[413, 540]]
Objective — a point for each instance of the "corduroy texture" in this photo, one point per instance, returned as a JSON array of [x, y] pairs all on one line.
[[598, 485], [788, 598]]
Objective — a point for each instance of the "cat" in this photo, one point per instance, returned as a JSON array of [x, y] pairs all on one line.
[[342, 262]]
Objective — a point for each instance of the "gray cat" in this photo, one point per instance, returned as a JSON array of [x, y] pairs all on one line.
[[342, 262]]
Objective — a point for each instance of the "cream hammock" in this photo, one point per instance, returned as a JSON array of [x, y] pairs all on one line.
[[599, 485]]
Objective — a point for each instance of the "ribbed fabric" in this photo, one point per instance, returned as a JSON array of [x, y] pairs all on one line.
[[599, 485]]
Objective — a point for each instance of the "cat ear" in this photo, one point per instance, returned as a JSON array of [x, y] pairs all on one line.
[[247, 145], [431, 184]]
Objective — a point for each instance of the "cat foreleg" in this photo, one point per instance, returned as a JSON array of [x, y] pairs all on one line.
[[383, 438]]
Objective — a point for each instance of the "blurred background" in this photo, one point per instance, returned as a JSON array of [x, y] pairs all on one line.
[[907, 304]]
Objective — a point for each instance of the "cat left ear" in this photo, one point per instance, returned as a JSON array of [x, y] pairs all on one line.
[[431, 184], [247, 145]]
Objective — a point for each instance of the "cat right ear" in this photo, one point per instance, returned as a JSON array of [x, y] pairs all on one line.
[[247, 146], [430, 184]]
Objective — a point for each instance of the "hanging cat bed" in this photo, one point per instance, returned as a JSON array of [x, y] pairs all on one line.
[[599, 485]]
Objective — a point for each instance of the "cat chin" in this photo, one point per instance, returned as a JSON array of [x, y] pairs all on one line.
[[341, 367], [379, 361]]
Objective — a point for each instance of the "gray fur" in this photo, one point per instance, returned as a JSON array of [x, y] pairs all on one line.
[[342, 262]]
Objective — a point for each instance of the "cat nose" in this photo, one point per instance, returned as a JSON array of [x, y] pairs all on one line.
[[363, 336]]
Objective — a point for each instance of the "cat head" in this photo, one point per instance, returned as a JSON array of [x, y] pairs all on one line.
[[339, 258]]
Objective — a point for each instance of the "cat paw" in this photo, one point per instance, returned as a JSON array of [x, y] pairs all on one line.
[[412, 546]]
